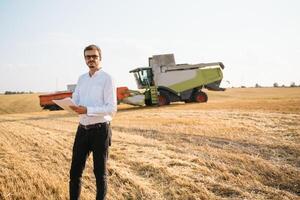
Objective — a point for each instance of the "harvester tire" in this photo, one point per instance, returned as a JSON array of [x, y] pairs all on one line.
[[188, 101], [148, 102], [200, 97], [54, 107], [163, 98]]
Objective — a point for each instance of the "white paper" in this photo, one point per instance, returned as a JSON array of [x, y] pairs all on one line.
[[65, 103]]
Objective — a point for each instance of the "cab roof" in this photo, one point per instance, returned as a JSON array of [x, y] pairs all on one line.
[[139, 69]]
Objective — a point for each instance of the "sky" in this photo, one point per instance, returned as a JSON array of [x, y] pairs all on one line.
[[42, 42]]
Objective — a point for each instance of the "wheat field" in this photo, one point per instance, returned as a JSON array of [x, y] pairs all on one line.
[[242, 144]]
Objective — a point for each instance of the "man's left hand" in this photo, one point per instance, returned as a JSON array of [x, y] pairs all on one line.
[[79, 109]]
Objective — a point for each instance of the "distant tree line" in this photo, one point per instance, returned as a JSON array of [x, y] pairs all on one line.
[[276, 85], [17, 92], [293, 84]]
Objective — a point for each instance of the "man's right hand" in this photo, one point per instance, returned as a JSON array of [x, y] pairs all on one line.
[[79, 109]]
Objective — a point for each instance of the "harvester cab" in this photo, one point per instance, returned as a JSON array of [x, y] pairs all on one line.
[[144, 80], [143, 77]]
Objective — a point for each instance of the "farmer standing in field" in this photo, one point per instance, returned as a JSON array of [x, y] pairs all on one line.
[[95, 94]]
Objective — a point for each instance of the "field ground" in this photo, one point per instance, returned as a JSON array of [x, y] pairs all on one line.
[[242, 144]]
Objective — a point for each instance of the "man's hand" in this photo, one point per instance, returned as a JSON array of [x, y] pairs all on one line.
[[79, 109]]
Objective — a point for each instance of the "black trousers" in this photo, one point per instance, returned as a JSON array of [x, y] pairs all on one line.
[[97, 140]]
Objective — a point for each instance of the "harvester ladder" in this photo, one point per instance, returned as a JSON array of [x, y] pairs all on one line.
[[154, 95]]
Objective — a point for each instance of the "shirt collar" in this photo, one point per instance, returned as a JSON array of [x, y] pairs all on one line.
[[95, 74]]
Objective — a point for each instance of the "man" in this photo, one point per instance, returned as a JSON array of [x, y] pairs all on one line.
[[95, 95]]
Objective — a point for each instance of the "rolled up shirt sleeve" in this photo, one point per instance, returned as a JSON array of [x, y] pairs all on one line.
[[110, 101]]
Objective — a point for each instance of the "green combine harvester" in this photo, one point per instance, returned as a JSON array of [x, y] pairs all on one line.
[[164, 81]]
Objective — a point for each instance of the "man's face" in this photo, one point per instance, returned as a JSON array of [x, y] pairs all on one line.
[[92, 59]]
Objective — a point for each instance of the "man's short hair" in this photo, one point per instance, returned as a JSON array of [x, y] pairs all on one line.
[[93, 47]]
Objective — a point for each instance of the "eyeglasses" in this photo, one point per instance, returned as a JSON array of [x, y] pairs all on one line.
[[91, 56]]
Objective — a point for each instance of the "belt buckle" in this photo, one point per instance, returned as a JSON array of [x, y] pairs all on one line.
[[85, 127]]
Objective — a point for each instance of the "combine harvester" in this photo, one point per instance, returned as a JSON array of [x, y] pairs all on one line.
[[164, 82], [161, 83]]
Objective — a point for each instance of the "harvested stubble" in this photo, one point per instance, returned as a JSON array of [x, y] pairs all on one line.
[[242, 144]]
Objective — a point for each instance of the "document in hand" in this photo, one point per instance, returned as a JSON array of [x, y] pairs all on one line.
[[65, 103]]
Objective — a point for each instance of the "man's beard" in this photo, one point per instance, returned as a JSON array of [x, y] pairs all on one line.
[[92, 66]]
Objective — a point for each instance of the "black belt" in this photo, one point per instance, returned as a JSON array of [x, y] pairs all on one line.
[[91, 126]]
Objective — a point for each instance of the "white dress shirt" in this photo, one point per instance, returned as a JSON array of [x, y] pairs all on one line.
[[98, 94]]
